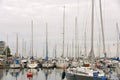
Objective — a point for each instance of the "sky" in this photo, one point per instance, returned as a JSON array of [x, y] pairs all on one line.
[[16, 16]]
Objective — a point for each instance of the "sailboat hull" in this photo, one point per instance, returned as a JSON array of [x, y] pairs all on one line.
[[32, 66], [15, 66], [47, 65], [72, 76], [61, 65]]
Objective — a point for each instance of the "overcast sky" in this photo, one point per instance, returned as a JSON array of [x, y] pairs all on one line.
[[16, 16]]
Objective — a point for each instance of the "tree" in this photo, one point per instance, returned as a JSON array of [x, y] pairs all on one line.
[[7, 51]]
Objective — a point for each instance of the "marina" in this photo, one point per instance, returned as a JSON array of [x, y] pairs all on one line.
[[59, 40]]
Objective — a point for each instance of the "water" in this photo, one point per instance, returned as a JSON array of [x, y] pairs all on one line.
[[38, 74]]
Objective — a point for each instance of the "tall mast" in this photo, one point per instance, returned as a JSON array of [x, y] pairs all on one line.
[[85, 42], [117, 54], [43, 52], [99, 43], [53, 55], [104, 50], [46, 43], [63, 31], [76, 38], [78, 50], [32, 37], [67, 51], [73, 49], [25, 48], [22, 47], [17, 45], [55, 51], [91, 54], [109, 51], [36, 52]]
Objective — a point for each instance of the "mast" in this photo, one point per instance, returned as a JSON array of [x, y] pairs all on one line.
[[46, 43], [43, 52], [22, 47], [25, 48], [76, 38], [36, 52], [109, 51], [99, 43], [91, 55], [63, 30], [78, 51], [117, 54], [55, 51], [32, 37], [101, 18], [16, 45], [67, 50], [73, 49], [85, 41]]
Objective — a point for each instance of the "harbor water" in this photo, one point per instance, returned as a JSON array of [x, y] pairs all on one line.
[[38, 74]]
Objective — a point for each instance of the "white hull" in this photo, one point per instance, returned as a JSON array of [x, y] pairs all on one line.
[[14, 66], [87, 71], [75, 64], [83, 73], [47, 65], [32, 66], [61, 64]]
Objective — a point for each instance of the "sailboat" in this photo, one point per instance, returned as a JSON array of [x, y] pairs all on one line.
[[23, 59], [62, 61], [15, 63], [87, 72], [47, 63], [32, 63], [75, 62]]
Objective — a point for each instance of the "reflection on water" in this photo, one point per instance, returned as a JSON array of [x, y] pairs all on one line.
[[47, 72], [38, 74], [1, 74], [14, 73], [114, 74]]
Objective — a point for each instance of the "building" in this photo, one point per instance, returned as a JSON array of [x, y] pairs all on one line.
[[2, 47]]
